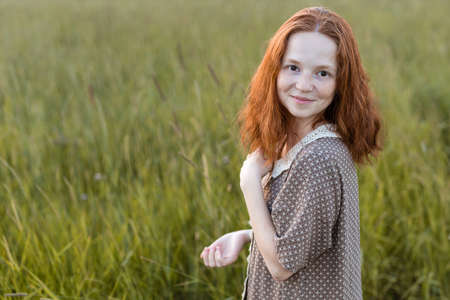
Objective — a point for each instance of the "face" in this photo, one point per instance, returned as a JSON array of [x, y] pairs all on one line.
[[306, 82]]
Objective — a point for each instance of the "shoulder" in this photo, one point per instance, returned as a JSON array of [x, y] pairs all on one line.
[[326, 152]]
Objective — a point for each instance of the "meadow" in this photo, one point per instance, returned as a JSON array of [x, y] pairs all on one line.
[[120, 154]]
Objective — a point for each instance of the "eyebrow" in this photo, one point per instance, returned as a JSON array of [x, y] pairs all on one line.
[[324, 66]]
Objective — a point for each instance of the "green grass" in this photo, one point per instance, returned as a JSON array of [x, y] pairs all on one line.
[[119, 158]]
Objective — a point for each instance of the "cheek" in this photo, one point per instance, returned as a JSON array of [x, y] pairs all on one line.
[[281, 89], [282, 82], [327, 89]]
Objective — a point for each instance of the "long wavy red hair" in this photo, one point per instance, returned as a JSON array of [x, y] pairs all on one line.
[[265, 123]]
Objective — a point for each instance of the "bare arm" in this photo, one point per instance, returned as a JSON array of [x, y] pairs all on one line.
[[263, 228]]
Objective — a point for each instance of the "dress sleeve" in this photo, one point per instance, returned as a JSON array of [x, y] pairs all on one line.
[[308, 211]]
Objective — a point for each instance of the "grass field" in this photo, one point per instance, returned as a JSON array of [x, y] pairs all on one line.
[[119, 154]]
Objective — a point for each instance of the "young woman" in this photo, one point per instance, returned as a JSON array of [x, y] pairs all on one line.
[[308, 118]]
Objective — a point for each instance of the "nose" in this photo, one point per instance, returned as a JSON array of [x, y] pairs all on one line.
[[304, 83]]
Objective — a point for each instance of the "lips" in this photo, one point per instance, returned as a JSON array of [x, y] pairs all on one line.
[[302, 99]]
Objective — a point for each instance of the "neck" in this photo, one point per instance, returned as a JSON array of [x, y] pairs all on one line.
[[301, 129]]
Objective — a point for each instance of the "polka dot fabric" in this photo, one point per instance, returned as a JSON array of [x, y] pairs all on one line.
[[315, 211]]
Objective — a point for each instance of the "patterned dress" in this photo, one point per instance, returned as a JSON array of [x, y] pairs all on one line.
[[312, 197]]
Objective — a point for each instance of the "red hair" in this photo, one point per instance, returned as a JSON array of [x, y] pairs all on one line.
[[265, 122]]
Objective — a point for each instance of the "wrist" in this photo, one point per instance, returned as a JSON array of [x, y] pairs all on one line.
[[245, 235]]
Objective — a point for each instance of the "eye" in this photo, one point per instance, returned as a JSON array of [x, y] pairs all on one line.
[[323, 73], [292, 67]]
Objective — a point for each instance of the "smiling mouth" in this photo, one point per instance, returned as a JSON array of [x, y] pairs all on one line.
[[302, 99]]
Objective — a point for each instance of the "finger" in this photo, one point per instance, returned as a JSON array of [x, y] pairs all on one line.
[[211, 258], [218, 257], [205, 257], [203, 252]]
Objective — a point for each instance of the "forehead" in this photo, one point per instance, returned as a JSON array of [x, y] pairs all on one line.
[[311, 48]]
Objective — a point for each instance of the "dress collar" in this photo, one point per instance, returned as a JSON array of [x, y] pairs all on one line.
[[325, 130]]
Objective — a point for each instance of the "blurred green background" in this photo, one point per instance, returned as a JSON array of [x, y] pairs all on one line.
[[119, 155]]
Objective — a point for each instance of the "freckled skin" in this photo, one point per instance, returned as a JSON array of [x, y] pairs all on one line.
[[308, 70]]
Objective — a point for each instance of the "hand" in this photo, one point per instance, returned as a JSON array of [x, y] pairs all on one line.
[[225, 250], [255, 166]]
